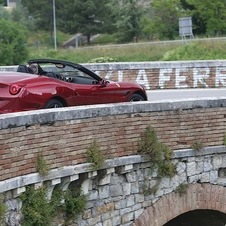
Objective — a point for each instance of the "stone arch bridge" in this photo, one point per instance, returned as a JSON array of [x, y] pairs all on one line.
[[115, 192]]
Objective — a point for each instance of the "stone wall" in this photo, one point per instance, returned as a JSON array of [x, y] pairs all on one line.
[[122, 199], [115, 192], [163, 75]]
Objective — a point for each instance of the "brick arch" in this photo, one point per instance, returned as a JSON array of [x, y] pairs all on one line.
[[197, 196]]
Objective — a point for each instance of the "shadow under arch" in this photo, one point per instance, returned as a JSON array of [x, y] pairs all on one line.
[[204, 196], [199, 218]]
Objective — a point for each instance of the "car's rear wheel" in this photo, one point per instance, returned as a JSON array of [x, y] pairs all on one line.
[[136, 97], [54, 104]]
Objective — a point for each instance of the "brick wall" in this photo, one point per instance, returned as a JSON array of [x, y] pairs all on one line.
[[162, 75], [63, 135]]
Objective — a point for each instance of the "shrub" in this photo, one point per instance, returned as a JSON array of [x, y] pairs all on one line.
[[41, 165], [13, 49], [36, 209], [158, 153], [181, 189], [197, 145], [102, 60], [2, 210], [196, 51], [74, 205], [95, 156]]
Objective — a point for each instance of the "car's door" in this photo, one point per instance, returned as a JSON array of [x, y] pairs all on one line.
[[88, 87], [93, 94], [90, 90]]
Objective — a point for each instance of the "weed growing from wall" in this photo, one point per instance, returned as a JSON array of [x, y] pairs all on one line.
[[224, 139], [2, 210], [74, 205], [41, 165], [95, 156], [159, 155], [148, 190], [37, 210], [197, 145], [181, 189]]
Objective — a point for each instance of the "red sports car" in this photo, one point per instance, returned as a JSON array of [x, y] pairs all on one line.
[[48, 83]]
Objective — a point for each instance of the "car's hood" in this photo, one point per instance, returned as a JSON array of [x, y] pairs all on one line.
[[12, 77]]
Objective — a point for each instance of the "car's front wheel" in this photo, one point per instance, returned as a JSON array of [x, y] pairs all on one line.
[[136, 97], [54, 104]]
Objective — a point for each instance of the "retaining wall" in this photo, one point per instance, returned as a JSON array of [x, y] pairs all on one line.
[[163, 75]]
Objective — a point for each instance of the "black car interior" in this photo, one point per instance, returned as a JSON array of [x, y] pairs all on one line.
[[73, 79]]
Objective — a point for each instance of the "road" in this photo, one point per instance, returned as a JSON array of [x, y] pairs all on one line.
[[170, 94]]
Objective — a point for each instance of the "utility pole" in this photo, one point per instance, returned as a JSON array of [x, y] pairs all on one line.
[[54, 25]]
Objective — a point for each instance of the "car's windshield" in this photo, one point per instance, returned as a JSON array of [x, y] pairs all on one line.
[[69, 71], [66, 73]]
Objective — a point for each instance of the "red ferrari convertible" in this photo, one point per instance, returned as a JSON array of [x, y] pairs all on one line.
[[45, 83]]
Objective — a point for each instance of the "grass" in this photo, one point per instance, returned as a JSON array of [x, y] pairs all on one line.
[[122, 53], [104, 47], [44, 40], [104, 39]]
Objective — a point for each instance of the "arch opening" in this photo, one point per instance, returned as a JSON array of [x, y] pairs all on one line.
[[201, 217]]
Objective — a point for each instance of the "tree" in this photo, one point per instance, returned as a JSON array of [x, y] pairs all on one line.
[[199, 26], [20, 15], [72, 16], [211, 13], [88, 17], [41, 11], [4, 14], [40, 14], [164, 18], [127, 19], [13, 49]]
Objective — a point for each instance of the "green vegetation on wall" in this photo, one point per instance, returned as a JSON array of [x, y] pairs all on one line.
[[181, 189], [37, 210], [2, 210], [157, 152], [224, 141], [41, 165], [74, 205], [95, 156], [159, 155], [197, 145]]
